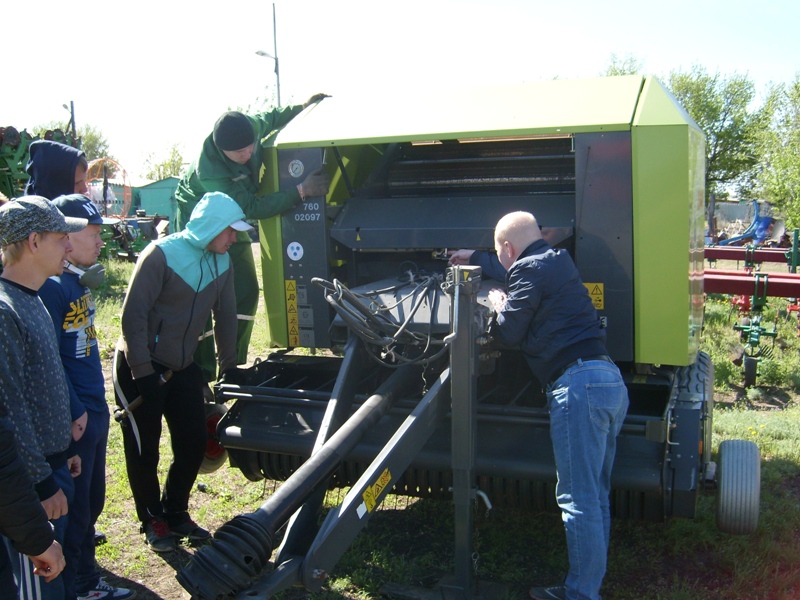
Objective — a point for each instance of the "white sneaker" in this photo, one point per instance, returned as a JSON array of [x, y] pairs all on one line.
[[104, 591]]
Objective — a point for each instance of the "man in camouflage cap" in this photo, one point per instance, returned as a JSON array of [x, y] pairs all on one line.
[[33, 388]]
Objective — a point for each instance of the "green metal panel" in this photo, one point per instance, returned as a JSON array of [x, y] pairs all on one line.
[[546, 107], [271, 240], [158, 197], [668, 179], [668, 192]]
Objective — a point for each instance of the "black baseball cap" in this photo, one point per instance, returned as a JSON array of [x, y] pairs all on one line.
[[80, 206]]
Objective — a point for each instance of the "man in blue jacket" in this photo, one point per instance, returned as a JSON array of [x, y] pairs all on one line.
[[55, 169], [547, 313], [68, 298]]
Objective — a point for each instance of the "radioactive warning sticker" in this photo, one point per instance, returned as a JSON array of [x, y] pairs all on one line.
[[373, 492], [597, 295]]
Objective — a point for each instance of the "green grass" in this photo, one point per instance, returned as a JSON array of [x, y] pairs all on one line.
[[411, 542]]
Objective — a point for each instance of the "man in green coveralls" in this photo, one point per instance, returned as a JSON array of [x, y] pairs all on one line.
[[230, 162]]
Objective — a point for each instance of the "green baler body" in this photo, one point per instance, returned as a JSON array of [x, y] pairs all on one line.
[[665, 181]]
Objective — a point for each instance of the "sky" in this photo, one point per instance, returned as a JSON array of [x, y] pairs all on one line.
[[150, 74]]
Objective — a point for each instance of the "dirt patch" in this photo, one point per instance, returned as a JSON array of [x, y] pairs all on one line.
[[762, 398]]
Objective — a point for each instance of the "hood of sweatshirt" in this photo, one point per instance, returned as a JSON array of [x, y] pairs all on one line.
[[51, 168], [185, 250]]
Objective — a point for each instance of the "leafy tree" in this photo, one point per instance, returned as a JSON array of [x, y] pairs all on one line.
[[172, 165], [92, 141], [778, 179], [721, 107], [627, 65]]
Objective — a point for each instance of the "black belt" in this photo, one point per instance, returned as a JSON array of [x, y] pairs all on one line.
[[559, 372]]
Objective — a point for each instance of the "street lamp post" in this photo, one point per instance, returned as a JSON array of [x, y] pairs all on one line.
[[274, 56], [71, 109]]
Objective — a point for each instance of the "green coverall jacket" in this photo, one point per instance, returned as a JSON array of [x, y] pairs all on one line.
[[215, 172]]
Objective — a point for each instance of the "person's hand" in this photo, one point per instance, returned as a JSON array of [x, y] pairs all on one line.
[[49, 563], [149, 388], [497, 299], [79, 426], [316, 184], [56, 505], [459, 257], [74, 465], [314, 99]]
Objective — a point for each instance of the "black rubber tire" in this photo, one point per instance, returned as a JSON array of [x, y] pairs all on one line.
[[247, 461], [750, 371], [215, 455], [738, 487], [698, 379]]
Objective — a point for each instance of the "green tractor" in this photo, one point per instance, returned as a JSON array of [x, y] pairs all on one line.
[[14, 156]]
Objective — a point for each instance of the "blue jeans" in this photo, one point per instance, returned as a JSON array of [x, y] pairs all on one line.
[[587, 407], [81, 574]]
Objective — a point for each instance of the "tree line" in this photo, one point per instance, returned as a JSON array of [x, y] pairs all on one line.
[[752, 144]]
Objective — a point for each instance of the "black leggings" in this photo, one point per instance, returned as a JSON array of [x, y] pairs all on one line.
[[182, 407]]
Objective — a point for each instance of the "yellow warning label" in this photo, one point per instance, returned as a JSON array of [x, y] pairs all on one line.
[[597, 294], [373, 492], [290, 288]]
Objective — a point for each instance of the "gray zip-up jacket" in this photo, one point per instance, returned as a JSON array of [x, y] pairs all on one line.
[[175, 286]]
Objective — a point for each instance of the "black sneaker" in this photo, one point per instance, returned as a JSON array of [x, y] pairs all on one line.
[[104, 591], [555, 592], [158, 535], [182, 526]]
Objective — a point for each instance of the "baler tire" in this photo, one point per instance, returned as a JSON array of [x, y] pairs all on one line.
[[215, 455], [738, 487], [750, 371], [247, 461]]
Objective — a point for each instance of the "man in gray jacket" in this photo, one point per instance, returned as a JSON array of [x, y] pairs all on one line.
[[178, 282], [33, 388]]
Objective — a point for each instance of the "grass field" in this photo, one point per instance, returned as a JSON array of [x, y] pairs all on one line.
[[411, 542]]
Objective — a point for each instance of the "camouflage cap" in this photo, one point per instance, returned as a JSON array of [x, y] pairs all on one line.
[[29, 214]]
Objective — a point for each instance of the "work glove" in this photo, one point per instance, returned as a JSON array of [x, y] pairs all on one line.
[[150, 388], [235, 376], [314, 99], [316, 184]]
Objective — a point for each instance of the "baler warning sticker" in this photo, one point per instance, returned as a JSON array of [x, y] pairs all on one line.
[[597, 294], [373, 492], [290, 286]]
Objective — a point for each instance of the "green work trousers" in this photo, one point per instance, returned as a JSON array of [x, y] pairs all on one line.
[[245, 284]]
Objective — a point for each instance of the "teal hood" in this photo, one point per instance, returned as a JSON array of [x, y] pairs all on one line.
[[186, 252]]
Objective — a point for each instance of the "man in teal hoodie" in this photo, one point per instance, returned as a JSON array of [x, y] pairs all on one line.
[[178, 282], [230, 162]]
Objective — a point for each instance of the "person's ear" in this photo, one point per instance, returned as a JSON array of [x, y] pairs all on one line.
[[509, 249]]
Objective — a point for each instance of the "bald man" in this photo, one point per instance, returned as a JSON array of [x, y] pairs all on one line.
[[547, 313]]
